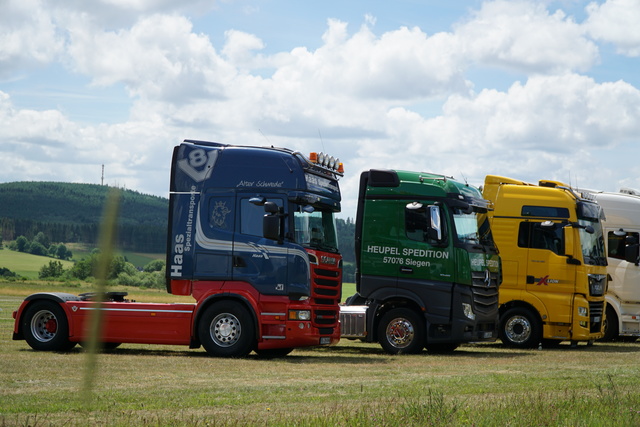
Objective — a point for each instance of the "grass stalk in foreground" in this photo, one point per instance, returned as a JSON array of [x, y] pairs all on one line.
[[107, 242]]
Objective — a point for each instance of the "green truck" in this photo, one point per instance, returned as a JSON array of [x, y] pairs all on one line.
[[427, 269]]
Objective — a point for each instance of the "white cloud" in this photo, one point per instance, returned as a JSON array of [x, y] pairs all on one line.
[[360, 95], [239, 48], [28, 36], [617, 22], [550, 127], [119, 14], [158, 58], [524, 36], [47, 146]]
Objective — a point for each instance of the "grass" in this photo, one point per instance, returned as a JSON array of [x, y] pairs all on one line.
[[348, 289], [28, 265], [352, 383], [83, 250]]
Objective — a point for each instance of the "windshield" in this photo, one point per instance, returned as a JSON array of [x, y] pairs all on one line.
[[474, 228], [316, 230], [592, 243], [466, 226]]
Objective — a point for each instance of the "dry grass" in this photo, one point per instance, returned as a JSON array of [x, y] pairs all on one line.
[[350, 384]]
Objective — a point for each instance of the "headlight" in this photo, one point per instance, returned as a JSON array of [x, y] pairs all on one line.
[[299, 315], [468, 311], [583, 311]]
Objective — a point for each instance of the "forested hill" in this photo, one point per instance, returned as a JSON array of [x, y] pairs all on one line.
[[76, 203], [68, 212]]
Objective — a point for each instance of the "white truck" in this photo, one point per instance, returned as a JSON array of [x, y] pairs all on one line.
[[622, 235]]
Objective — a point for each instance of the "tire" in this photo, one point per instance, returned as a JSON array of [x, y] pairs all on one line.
[[520, 328], [611, 329], [442, 348], [401, 331], [45, 327], [226, 329], [273, 353]]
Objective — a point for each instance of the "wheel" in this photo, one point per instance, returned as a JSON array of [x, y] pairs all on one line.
[[442, 348], [226, 330], [400, 331], [520, 327], [273, 353], [45, 327], [610, 325]]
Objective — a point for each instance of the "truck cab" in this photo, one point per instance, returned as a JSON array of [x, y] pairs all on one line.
[[554, 263], [427, 271], [622, 236], [256, 226]]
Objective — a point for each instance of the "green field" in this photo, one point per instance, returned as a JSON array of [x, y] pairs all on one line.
[[28, 265], [81, 250], [349, 384]]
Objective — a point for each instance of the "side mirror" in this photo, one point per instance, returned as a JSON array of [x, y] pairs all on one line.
[[271, 222], [569, 245], [435, 231], [631, 253], [270, 208], [258, 201], [589, 229], [271, 227]]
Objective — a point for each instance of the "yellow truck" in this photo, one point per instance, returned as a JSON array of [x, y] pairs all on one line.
[[554, 262]]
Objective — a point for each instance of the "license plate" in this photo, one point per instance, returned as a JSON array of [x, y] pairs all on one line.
[[488, 335], [325, 340], [596, 319]]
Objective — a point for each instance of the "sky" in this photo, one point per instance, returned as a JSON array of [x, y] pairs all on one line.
[[525, 89]]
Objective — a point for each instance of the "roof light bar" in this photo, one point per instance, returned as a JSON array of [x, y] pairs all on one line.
[[326, 161]]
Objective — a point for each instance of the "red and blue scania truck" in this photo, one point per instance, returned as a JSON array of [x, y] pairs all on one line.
[[251, 236]]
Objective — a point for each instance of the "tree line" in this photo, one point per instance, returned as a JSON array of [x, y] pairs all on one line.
[[71, 213], [40, 245], [136, 238], [120, 271]]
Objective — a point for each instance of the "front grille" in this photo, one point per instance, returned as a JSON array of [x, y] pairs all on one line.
[[325, 296], [327, 273], [326, 317], [597, 284], [596, 311], [485, 294]]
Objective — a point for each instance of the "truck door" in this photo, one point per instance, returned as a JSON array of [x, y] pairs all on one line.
[[213, 228], [381, 258], [547, 269], [272, 268], [625, 276], [426, 267]]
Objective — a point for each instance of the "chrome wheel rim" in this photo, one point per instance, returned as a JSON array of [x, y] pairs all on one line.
[[44, 326], [518, 329], [225, 330], [400, 332]]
